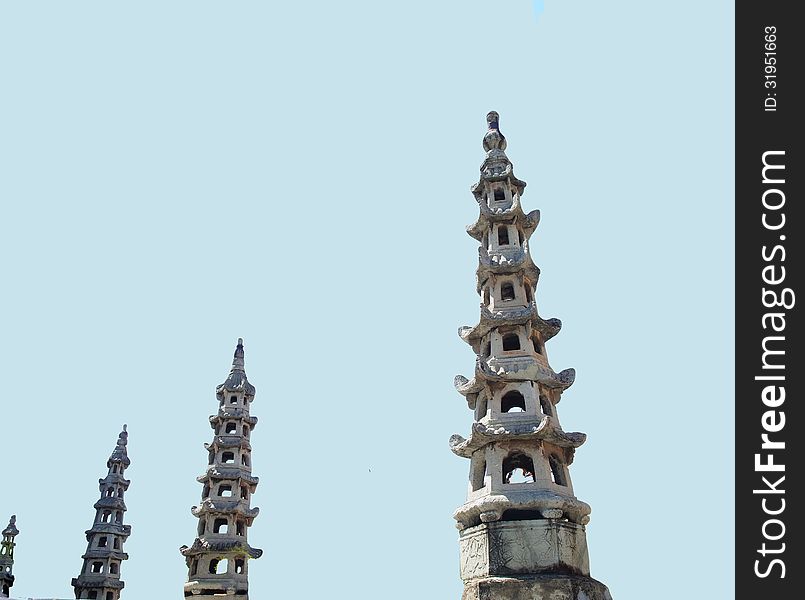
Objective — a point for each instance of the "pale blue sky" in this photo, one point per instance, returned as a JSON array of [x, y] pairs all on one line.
[[174, 175]]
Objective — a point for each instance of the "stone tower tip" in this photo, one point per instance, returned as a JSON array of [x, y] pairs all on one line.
[[494, 139], [124, 427], [493, 119], [240, 341]]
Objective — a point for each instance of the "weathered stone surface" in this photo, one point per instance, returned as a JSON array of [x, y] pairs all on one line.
[[522, 527], [538, 587], [523, 548], [218, 559], [7, 557], [100, 575]]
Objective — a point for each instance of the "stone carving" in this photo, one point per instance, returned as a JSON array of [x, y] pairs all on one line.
[[100, 571], [522, 528], [217, 560], [7, 557]]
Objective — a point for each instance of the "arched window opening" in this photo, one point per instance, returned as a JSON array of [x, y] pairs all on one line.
[[211, 458], [503, 235], [114, 468], [499, 195], [214, 566], [244, 459], [231, 427], [528, 295], [507, 292], [102, 541], [206, 491], [106, 516], [116, 544], [97, 567], [113, 568], [244, 493], [110, 492], [118, 517], [233, 399], [557, 471], [110, 596], [201, 527], [245, 431], [512, 401], [220, 526], [194, 567], [537, 347], [511, 341], [228, 458], [92, 595], [225, 490], [485, 296], [120, 492], [488, 349], [240, 528], [518, 468], [240, 566]]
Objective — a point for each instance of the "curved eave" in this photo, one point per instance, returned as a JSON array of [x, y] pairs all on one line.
[[112, 502], [520, 315], [228, 507], [93, 581], [512, 214], [101, 553], [232, 414], [515, 260], [482, 435], [544, 375], [229, 441], [529, 271], [221, 473], [110, 528], [236, 382], [115, 478], [205, 546], [573, 508]]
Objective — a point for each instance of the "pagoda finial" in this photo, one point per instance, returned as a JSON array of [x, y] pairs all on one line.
[[238, 363], [12, 527], [494, 139], [120, 453]]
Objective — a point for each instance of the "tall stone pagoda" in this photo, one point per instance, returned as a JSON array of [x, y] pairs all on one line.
[[522, 530], [218, 559], [100, 573], [7, 557]]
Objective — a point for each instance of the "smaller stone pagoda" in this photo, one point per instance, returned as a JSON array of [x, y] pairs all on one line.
[[7, 557], [100, 573], [217, 561]]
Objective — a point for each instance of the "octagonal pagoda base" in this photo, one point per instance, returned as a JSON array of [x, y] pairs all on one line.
[[536, 587]]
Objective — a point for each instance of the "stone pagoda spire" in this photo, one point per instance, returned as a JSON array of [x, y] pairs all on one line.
[[100, 574], [522, 528], [218, 559], [7, 557]]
